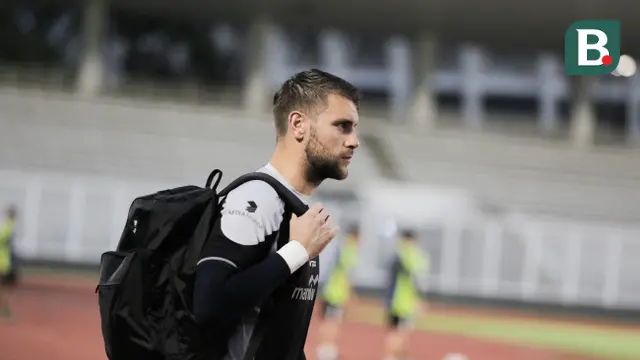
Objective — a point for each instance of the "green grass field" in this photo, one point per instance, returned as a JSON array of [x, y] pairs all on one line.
[[581, 339]]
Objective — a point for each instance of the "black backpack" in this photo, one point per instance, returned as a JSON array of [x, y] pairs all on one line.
[[146, 285]]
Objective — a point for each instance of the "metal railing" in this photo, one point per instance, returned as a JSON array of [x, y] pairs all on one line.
[[517, 256]]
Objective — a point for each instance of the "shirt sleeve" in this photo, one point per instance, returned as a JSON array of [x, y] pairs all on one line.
[[251, 214], [238, 269]]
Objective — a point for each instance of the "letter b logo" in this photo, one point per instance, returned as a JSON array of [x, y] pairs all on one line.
[[592, 47]]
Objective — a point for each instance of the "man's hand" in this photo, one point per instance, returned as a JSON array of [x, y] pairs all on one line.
[[313, 230]]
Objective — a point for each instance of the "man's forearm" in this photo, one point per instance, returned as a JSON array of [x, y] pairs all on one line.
[[221, 291]]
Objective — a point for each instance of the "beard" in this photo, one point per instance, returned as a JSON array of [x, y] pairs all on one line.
[[321, 164]]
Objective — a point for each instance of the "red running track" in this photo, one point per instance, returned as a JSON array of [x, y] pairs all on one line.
[[58, 322]]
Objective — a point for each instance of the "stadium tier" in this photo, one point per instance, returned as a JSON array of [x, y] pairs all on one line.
[[560, 233], [137, 139], [525, 174]]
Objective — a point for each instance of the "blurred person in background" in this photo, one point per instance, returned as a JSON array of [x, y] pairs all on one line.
[[402, 301], [7, 231], [335, 296]]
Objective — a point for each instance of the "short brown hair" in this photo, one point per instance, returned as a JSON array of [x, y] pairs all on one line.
[[408, 234], [306, 90], [12, 211]]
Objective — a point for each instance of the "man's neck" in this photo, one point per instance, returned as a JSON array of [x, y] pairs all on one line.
[[292, 172]]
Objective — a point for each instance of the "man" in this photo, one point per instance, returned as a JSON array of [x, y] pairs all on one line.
[[244, 285], [403, 298], [7, 229], [335, 296]]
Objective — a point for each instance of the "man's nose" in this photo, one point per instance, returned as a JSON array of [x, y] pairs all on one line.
[[352, 141]]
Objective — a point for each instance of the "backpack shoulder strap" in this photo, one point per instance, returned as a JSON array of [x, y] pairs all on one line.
[[290, 199], [295, 205]]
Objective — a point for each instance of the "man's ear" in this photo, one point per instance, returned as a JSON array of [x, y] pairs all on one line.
[[297, 125]]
